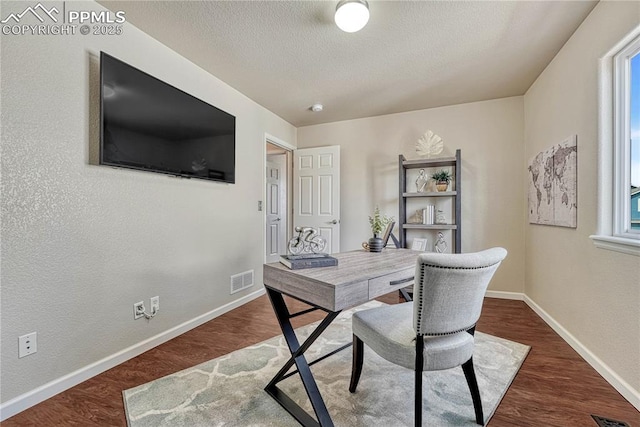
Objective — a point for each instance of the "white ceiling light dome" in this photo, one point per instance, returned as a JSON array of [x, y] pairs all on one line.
[[352, 15]]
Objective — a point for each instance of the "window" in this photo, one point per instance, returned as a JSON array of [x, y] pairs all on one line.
[[634, 138], [619, 154], [626, 111]]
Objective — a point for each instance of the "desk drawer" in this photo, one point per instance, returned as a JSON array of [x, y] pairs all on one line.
[[391, 282]]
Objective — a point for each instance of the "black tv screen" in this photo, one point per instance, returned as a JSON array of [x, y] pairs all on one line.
[[149, 125]]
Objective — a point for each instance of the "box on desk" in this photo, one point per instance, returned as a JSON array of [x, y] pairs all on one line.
[[296, 262]]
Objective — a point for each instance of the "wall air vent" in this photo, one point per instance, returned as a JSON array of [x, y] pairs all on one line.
[[241, 281], [606, 422]]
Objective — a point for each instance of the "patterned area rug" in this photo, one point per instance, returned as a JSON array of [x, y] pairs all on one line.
[[228, 390]]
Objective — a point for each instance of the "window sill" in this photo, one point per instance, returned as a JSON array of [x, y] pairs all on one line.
[[618, 244]]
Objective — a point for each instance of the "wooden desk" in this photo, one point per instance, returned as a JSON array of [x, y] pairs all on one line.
[[359, 277]]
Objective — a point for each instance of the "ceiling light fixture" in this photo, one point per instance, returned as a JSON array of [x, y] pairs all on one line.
[[352, 15], [316, 108]]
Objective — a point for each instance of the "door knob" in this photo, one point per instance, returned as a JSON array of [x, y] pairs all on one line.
[[277, 219], [334, 222]]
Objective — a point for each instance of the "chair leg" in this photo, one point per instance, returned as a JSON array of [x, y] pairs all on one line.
[[418, 382], [356, 364], [470, 375]]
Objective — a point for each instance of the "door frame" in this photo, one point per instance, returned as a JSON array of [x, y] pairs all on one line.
[[270, 139]]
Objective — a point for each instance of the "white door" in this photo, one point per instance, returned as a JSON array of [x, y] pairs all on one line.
[[316, 192], [276, 211]]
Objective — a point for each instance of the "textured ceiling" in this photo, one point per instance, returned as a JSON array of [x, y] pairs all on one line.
[[288, 55]]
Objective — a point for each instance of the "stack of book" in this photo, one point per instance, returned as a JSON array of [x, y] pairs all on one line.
[[296, 262], [428, 215]]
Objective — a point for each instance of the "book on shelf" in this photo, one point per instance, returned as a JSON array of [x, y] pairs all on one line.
[[296, 262], [428, 215]]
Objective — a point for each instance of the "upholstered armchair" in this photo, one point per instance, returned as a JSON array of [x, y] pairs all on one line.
[[436, 330]]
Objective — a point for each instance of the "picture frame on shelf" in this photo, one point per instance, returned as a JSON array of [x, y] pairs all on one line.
[[419, 244]]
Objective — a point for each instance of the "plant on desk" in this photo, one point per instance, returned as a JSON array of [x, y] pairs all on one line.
[[378, 224]]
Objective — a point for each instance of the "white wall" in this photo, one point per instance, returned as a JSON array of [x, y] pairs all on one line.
[[593, 293], [490, 135], [81, 243]]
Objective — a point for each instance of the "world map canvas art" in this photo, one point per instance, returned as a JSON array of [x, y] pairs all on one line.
[[553, 182]]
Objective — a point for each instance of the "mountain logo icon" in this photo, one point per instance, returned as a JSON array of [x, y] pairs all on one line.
[[34, 11]]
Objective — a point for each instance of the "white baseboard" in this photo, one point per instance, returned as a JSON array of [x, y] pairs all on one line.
[[44, 392], [40, 394], [624, 388], [519, 296]]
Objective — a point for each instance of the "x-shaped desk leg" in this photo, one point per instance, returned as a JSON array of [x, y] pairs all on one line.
[[297, 357]]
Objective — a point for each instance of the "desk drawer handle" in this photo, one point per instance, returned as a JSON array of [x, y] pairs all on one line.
[[401, 281]]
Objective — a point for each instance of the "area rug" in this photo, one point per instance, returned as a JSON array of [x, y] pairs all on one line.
[[228, 390]]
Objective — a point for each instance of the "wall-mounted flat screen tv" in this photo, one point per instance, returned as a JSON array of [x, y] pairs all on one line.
[[149, 125]]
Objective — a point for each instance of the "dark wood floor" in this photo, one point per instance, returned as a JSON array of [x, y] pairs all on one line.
[[555, 387]]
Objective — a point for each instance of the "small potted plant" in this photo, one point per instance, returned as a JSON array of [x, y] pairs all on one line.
[[378, 224], [442, 179]]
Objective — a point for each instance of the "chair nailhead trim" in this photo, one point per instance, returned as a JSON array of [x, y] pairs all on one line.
[[443, 334], [418, 292], [456, 268]]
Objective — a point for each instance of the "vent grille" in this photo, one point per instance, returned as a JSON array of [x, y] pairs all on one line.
[[606, 422], [241, 281]]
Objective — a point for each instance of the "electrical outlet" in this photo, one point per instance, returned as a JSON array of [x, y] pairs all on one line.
[[155, 305], [27, 344], [138, 310]]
